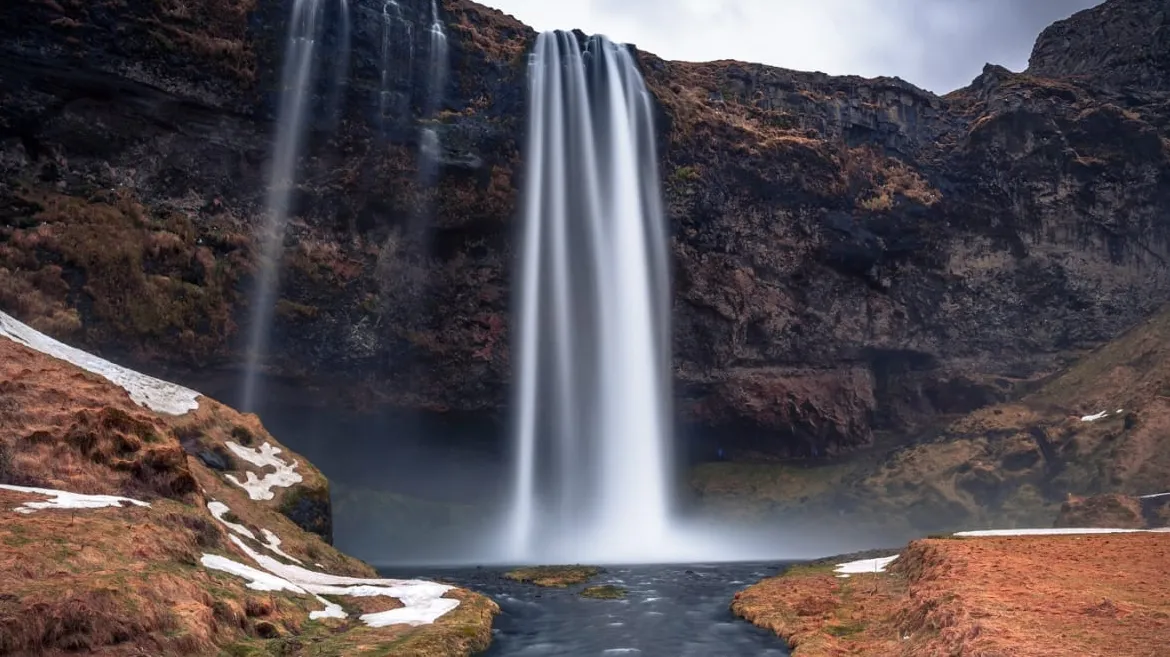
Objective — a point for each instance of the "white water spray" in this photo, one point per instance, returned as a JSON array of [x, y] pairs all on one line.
[[306, 28], [397, 32], [430, 144], [593, 357]]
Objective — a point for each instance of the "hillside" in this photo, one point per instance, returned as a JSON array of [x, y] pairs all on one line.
[[1098, 426], [141, 518], [1047, 596]]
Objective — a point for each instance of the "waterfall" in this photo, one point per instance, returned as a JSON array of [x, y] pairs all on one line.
[[429, 143], [392, 22], [592, 326], [305, 33]]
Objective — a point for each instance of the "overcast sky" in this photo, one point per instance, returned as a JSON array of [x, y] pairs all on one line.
[[937, 44]]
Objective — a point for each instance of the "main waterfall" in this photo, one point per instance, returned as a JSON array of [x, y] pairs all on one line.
[[593, 336]]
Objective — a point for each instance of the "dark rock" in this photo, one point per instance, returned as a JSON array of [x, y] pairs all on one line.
[[310, 509], [1119, 44], [1109, 511], [851, 255]]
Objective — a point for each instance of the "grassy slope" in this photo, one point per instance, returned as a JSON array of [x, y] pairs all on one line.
[[1009, 465], [1051, 596], [128, 580]]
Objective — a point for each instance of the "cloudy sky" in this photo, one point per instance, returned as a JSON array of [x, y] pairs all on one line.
[[937, 44]]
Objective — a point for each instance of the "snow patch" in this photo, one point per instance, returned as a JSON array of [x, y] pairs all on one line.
[[863, 566], [262, 581], [332, 610], [219, 510], [258, 488], [1052, 531], [66, 500], [159, 396], [423, 601], [272, 542], [258, 579], [1095, 417]]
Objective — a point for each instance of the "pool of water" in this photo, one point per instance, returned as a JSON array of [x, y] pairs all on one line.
[[669, 611]]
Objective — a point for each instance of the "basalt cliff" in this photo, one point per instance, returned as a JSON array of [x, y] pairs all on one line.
[[853, 257]]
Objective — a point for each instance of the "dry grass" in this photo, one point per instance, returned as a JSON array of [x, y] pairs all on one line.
[[1026, 597], [127, 581], [215, 31], [500, 37], [148, 281], [879, 181], [818, 614]]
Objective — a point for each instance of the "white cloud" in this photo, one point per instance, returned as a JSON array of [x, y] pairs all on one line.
[[937, 44]]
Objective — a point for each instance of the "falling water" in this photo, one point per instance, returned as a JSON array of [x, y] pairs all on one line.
[[593, 323], [306, 28], [430, 146], [397, 32]]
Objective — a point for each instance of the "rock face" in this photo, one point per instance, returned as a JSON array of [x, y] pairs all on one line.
[[1112, 511], [1123, 46], [851, 255]]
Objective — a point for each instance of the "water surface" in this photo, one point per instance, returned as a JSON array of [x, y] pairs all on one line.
[[670, 611]]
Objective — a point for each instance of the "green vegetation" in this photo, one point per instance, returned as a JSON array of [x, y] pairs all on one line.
[[845, 628], [554, 576], [604, 592], [686, 174]]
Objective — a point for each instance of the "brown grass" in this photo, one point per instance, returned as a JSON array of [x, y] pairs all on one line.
[[499, 36], [1026, 597], [127, 581], [879, 181], [148, 281]]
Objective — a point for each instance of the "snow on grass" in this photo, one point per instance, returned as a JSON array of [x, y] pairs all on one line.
[[272, 542], [332, 610], [159, 396], [219, 510], [423, 601], [1051, 531], [260, 488], [66, 500], [863, 566], [258, 580]]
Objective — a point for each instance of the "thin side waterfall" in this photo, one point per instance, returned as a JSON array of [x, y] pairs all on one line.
[[298, 75], [593, 350], [430, 145], [397, 32]]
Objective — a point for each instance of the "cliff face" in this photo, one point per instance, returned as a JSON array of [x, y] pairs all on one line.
[[850, 255]]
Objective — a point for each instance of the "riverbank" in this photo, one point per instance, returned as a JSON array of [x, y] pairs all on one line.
[[1026, 596]]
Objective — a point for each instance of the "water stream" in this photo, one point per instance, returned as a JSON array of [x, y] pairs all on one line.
[[669, 611]]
